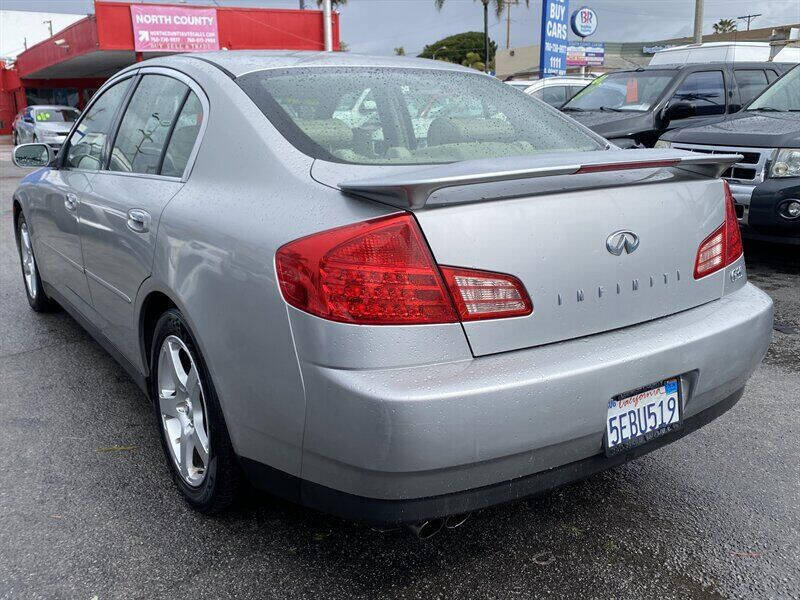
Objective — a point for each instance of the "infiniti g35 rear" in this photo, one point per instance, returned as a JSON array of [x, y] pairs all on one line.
[[452, 297]]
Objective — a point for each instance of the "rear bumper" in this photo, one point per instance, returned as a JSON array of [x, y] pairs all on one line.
[[417, 442], [351, 506]]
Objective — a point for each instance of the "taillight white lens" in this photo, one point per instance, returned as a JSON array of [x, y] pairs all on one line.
[[484, 295], [724, 246]]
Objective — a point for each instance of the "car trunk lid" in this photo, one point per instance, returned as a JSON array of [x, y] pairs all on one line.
[[553, 226]]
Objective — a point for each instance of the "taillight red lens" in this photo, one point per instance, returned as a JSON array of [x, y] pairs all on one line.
[[484, 295], [724, 246], [375, 272]]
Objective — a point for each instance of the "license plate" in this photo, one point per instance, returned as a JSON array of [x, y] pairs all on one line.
[[637, 417]]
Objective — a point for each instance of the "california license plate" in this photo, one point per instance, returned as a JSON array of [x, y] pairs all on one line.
[[637, 417]]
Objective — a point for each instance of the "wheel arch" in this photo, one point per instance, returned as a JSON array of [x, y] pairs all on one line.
[[154, 304]]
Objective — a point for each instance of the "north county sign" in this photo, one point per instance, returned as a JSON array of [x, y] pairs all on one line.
[[584, 22], [174, 28]]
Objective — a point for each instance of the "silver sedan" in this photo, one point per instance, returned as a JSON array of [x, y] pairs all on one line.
[[43, 123], [391, 318]]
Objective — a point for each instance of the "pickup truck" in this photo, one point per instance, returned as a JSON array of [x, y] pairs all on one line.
[[766, 182], [634, 108]]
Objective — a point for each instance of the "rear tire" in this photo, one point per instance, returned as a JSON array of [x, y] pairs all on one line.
[[193, 434], [34, 290]]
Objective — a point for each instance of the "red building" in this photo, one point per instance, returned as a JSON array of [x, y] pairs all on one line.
[[69, 67]]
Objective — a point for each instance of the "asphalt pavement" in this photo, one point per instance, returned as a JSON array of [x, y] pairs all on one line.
[[87, 509]]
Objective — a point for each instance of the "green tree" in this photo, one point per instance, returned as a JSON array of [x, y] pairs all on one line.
[[725, 26], [455, 49], [400, 51]]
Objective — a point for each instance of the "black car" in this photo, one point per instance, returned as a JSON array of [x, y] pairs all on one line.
[[635, 108], [766, 183]]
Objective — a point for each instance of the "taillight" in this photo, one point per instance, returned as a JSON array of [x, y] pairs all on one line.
[[381, 272], [724, 246], [484, 295]]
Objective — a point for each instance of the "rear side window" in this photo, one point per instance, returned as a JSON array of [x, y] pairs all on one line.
[[554, 95], [705, 91], [408, 116], [87, 142], [146, 125], [772, 75], [751, 83], [181, 143]]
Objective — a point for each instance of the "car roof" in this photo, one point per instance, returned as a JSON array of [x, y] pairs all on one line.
[[51, 107], [700, 66], [239, 62]]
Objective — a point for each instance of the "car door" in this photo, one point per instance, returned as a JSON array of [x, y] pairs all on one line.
[[54, 212], [146, 167], [705, 92]]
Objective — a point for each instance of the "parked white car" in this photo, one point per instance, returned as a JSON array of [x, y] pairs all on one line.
[[557, 91]]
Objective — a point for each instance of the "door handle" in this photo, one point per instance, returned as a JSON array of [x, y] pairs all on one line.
[[71, 202], [138, 220]]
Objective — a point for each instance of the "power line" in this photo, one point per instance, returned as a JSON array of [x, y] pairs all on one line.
[[748, 18]]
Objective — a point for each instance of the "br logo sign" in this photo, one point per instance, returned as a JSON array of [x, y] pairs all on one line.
[[584, 22]]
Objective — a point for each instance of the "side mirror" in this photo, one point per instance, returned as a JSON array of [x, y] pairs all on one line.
[[678, 110], [33, 155]]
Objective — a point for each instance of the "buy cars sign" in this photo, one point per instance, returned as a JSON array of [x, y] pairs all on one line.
[[174, 28]]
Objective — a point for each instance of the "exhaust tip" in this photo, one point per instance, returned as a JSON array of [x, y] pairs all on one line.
[[456, 521], [425, 529]]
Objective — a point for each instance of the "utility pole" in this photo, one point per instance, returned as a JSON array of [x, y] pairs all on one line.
[[508, 4], [748, 18], [485, 35], [698, 21], [302, 4], [327, 28], [49, 26]]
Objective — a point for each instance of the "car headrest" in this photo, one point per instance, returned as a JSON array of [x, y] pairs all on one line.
[[328, 133], [454, 130]]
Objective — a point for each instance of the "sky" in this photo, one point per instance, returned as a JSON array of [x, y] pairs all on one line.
[[378, 26]]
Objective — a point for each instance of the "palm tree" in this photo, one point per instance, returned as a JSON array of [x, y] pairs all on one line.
[[725, 26], [400, 51], [499, 7]]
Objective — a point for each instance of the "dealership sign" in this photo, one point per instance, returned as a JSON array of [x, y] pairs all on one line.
[[553, 41], [174, 28], [584, 22], [585, 54]]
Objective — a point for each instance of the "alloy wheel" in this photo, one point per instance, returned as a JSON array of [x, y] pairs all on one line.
[[183, 411], [28, 261]]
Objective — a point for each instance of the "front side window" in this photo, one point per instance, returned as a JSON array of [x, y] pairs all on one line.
[[625, 91], [783, 95], [146, 125], [408, 116], [751, 83], [704, 91], [87, 141]]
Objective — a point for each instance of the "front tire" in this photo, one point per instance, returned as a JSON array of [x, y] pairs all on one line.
[[34, 290], [194, 437]]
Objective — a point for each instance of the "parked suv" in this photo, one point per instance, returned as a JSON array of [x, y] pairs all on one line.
[[635, 108], [47, 124], [766, 183]]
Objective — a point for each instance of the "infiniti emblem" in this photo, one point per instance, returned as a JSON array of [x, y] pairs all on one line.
[[622, 240]]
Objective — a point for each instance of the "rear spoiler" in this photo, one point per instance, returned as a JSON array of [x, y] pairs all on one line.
[[412, 189]]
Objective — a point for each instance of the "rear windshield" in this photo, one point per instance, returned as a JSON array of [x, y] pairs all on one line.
[[626, 91], [408, 116], [55, 115], [783, 95]]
